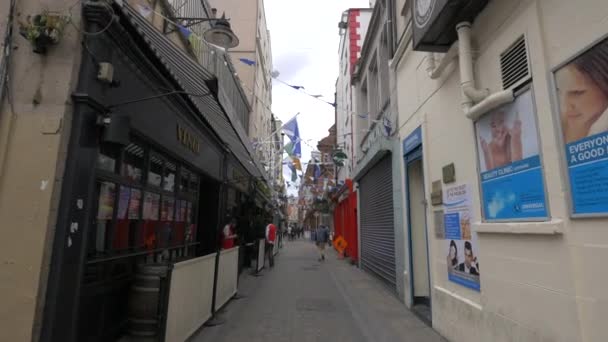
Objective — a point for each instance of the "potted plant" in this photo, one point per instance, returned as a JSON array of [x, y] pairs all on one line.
[[43, 30]]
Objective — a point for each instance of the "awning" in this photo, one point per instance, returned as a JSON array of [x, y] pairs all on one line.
[[190, 76]]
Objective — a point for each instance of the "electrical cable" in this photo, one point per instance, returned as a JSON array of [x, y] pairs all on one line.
[[91, 34]]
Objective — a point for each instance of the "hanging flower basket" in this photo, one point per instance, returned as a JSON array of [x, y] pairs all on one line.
[[43, 30]]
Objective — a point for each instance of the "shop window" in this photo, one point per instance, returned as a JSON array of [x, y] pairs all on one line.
[[193, 189], [184, 182], [165, 226], [106, 158], [133, 162], [156, 170], [169, 176], [123, 227], [105, 210], [150, 215]]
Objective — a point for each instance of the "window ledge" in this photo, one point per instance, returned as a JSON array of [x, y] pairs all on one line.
[[553, 227]]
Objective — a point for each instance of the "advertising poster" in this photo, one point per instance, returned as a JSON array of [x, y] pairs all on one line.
[[167, 209], [460, 244], [105, 209], [512, 183], [582, 90], [151, 206], [134, 204], [123, 202]]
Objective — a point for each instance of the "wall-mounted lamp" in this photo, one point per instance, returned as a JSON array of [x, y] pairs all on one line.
[[220, 33]]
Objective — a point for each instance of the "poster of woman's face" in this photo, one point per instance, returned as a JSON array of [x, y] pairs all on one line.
[[507, 134], [582, 90]]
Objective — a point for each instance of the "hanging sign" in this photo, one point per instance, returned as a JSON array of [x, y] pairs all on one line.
[[582, 90], [512, 183]]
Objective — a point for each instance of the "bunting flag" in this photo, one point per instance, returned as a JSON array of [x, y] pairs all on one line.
[[317, 172], [363, 115], [291, 130], [296, 163], [247, 61], [294, 175], [184, 31], [289, 147], [296, 87], [388, 126]]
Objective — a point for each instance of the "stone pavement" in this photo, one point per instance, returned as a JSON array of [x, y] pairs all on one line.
[[303, 300]]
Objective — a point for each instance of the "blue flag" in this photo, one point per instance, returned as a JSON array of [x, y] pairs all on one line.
[[317, 172], [291, 130], [247, 61], [184, 31]]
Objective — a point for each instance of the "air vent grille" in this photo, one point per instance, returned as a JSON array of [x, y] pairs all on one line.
[[514, 64]]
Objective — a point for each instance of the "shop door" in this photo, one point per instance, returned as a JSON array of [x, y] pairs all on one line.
[[377, 230], [419, 256]]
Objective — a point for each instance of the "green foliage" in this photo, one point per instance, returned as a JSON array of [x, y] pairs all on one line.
[[43, 29]]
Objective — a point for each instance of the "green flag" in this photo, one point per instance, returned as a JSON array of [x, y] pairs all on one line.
[[289, 148]]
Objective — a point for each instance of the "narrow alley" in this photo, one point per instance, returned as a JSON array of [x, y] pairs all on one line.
[[301, 299]]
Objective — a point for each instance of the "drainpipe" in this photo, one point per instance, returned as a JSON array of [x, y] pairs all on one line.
[[476, 101], [467, 80]]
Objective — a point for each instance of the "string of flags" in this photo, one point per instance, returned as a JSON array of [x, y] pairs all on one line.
[[275, 75], [291, 129]]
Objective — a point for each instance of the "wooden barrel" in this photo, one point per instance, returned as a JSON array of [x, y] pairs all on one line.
[[144, 300]]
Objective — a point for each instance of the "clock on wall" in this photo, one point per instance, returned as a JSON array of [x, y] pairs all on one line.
[[423, 11], [435, 21]]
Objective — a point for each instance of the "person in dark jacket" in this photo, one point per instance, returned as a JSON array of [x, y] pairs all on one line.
[[322, 236]]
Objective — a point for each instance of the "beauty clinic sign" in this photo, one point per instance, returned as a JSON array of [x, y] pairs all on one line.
[[582, 91]]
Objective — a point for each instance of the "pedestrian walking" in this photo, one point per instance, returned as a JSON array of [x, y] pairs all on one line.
[[271, 237], [322, 236]]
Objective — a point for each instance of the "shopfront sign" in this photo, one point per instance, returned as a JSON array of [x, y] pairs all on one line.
[[412, 141], [188, 139], [512, 185], [582, 90]]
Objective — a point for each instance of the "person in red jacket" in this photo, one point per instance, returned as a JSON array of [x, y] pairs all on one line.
[[271, 237], [229, 235]]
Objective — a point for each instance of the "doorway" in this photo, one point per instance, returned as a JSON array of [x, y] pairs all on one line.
[[418, 240]]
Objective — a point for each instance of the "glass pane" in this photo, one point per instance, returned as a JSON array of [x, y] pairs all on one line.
[[133, 162], [151, 206], [184, 179], [134, 204], [182, 211], [169, 178], [167, 209], [193, 183], [123, 227], [106, 158], [105, 211], [151, 209], [107, 193], [156, 169]]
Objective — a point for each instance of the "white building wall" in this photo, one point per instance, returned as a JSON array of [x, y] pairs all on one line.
[[345, 97], [539, 281]]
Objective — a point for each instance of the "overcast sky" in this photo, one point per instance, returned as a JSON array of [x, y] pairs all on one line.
[[304, 37]]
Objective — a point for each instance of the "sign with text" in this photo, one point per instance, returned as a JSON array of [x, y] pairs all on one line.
[[512, 183], [582, 90], [460, 243]]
